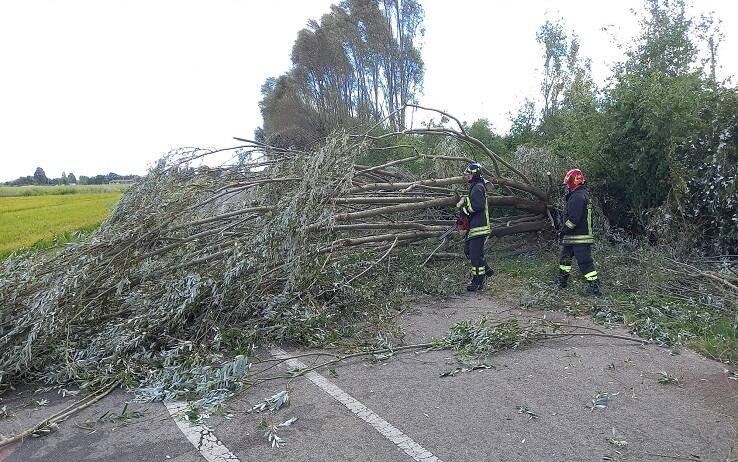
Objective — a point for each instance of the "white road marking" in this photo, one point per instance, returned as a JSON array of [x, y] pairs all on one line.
[[200, 436], [401, 440]]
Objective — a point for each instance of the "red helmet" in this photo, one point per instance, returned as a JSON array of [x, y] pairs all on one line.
[[573, 179]]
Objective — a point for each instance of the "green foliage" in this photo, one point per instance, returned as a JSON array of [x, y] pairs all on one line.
[[643, 289], [358, 64], [664, 45], [537, 163], [553, 38], [484, 132], [39, 176], [123, 418], [671, 138], [469, 339], [203, 380], [566, 122], [574, 132], [710, 196], [659, 144], [522, 126], [719, 341], [646, 118], [362, 308], [667, 379]]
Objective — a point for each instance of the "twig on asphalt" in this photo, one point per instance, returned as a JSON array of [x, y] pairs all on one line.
[[61, 415]]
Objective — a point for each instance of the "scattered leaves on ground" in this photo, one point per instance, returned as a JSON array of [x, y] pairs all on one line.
[[523, 409], [600, 401], [667, 379], [5, 413], [273, 404], [459, 370]]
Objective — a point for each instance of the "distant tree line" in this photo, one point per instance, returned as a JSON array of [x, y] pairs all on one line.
[[39, 178], [357, 65]]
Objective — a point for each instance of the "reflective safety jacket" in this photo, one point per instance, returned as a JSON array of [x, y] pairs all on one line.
[[577, 227], [476, 208]]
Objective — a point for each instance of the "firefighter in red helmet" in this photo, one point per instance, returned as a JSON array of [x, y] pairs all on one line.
[[576, 232]]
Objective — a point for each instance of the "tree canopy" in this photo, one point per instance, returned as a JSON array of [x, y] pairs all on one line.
[[659, 141], [360, 63]]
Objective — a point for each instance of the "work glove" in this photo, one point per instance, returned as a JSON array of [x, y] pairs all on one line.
[[460, 203]]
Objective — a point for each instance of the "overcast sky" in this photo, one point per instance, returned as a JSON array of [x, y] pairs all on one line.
[[94, 86]]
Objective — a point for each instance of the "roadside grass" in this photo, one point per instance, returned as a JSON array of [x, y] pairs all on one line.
[[720, 341], [40, 222], [639, 292], [21, 191]]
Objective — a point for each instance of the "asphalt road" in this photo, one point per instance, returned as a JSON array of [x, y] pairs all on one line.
[[402, 410]]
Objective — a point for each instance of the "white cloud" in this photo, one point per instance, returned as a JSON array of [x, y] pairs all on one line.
[[93, 86]]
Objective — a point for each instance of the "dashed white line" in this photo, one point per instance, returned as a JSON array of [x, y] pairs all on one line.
[[200, 436], [215, 451], [401, 440]]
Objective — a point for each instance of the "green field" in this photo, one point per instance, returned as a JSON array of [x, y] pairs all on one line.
[[39, 221], [13, 191]]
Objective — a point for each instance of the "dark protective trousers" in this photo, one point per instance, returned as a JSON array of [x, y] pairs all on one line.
[[474, 251], [583, 254]]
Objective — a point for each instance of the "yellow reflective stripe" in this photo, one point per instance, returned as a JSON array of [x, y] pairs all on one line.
[[479, 231], [565, 268], [477, 270], [482, 230], [468, 204], [467, 208], [591, 276], [589, 218], [570, 224], [583, 239]]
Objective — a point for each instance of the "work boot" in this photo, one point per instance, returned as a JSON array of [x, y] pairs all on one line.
[[594, 287], [563, 279], [488, 271], [476, 283]]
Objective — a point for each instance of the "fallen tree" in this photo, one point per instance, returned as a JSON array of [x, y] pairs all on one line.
[[196, 262]]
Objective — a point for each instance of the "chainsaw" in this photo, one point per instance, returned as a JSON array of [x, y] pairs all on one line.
[[462, 224]]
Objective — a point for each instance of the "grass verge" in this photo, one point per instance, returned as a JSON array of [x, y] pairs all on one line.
[[643, 289]]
